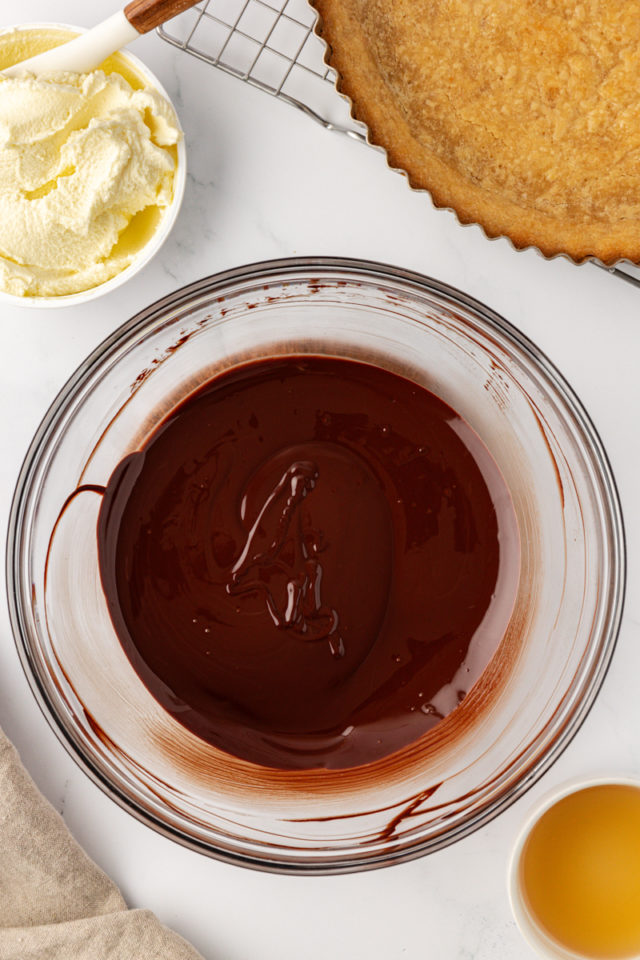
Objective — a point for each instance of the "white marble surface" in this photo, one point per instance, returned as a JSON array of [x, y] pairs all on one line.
[[265, 181]]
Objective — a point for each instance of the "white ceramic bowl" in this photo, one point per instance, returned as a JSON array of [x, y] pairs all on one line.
[[164, 227], [529, 927]]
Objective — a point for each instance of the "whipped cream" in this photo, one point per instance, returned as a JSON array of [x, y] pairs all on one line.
[[81, 155]]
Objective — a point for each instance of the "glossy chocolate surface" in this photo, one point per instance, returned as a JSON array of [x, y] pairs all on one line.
[[304, 561]]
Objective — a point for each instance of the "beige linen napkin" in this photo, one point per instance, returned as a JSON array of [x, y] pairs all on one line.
[[55, 904]]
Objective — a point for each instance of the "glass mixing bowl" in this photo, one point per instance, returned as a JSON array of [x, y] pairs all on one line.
[[516, 720]]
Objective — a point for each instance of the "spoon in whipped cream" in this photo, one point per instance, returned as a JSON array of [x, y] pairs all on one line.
[[87, 51]]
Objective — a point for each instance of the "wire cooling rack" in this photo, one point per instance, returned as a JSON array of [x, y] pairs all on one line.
[[271, 45], [625, 271]]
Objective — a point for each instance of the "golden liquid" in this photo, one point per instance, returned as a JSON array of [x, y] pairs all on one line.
[[580, 871], [19, 44]]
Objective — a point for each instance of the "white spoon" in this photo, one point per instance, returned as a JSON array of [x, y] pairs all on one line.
[[87, 51]]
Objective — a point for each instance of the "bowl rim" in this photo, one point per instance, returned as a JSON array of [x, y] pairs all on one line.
[[168, 219], [358, 270]]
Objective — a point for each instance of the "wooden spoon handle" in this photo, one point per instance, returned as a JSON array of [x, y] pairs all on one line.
[[145, 15]]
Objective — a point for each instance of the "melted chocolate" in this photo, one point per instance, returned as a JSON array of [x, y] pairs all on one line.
[[306, 561]]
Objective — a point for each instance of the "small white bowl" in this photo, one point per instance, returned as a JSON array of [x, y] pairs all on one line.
[[530, 929], [164, 227]]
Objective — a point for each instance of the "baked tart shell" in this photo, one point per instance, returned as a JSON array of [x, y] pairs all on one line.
[[373, 104]]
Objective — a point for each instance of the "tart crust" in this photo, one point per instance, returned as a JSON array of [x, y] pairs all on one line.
[[521, 115]]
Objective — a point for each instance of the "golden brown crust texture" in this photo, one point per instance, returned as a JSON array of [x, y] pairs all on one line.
[[522, 115]]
